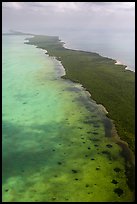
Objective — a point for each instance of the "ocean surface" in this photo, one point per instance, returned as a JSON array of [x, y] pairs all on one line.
[[56, 143], [118, 46], [115, 44]]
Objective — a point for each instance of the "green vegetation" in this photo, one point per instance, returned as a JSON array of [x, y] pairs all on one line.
[[109, 84]]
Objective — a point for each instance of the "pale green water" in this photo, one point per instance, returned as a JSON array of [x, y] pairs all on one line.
[[54, 144]]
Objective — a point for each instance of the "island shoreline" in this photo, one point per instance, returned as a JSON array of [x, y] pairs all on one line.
[[65, 76], [116, 61]]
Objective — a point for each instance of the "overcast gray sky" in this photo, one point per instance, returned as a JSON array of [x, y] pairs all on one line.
[[51, 17]]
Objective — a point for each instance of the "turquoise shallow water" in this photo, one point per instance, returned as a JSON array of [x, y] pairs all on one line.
[[54, 144]]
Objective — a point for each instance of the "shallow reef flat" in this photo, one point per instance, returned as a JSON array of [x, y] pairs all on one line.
[[57, 143]]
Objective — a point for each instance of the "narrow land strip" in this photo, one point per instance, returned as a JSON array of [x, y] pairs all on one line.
[[108, 83]]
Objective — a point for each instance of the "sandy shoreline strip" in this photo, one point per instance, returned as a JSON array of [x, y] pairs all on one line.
[[127, 68], [117, 61]]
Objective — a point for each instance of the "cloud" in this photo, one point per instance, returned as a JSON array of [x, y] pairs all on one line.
[[70, 6], [52, 6], [12, 5], [67, 15]]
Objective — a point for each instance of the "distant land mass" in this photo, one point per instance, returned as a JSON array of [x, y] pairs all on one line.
[[14, 32]]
